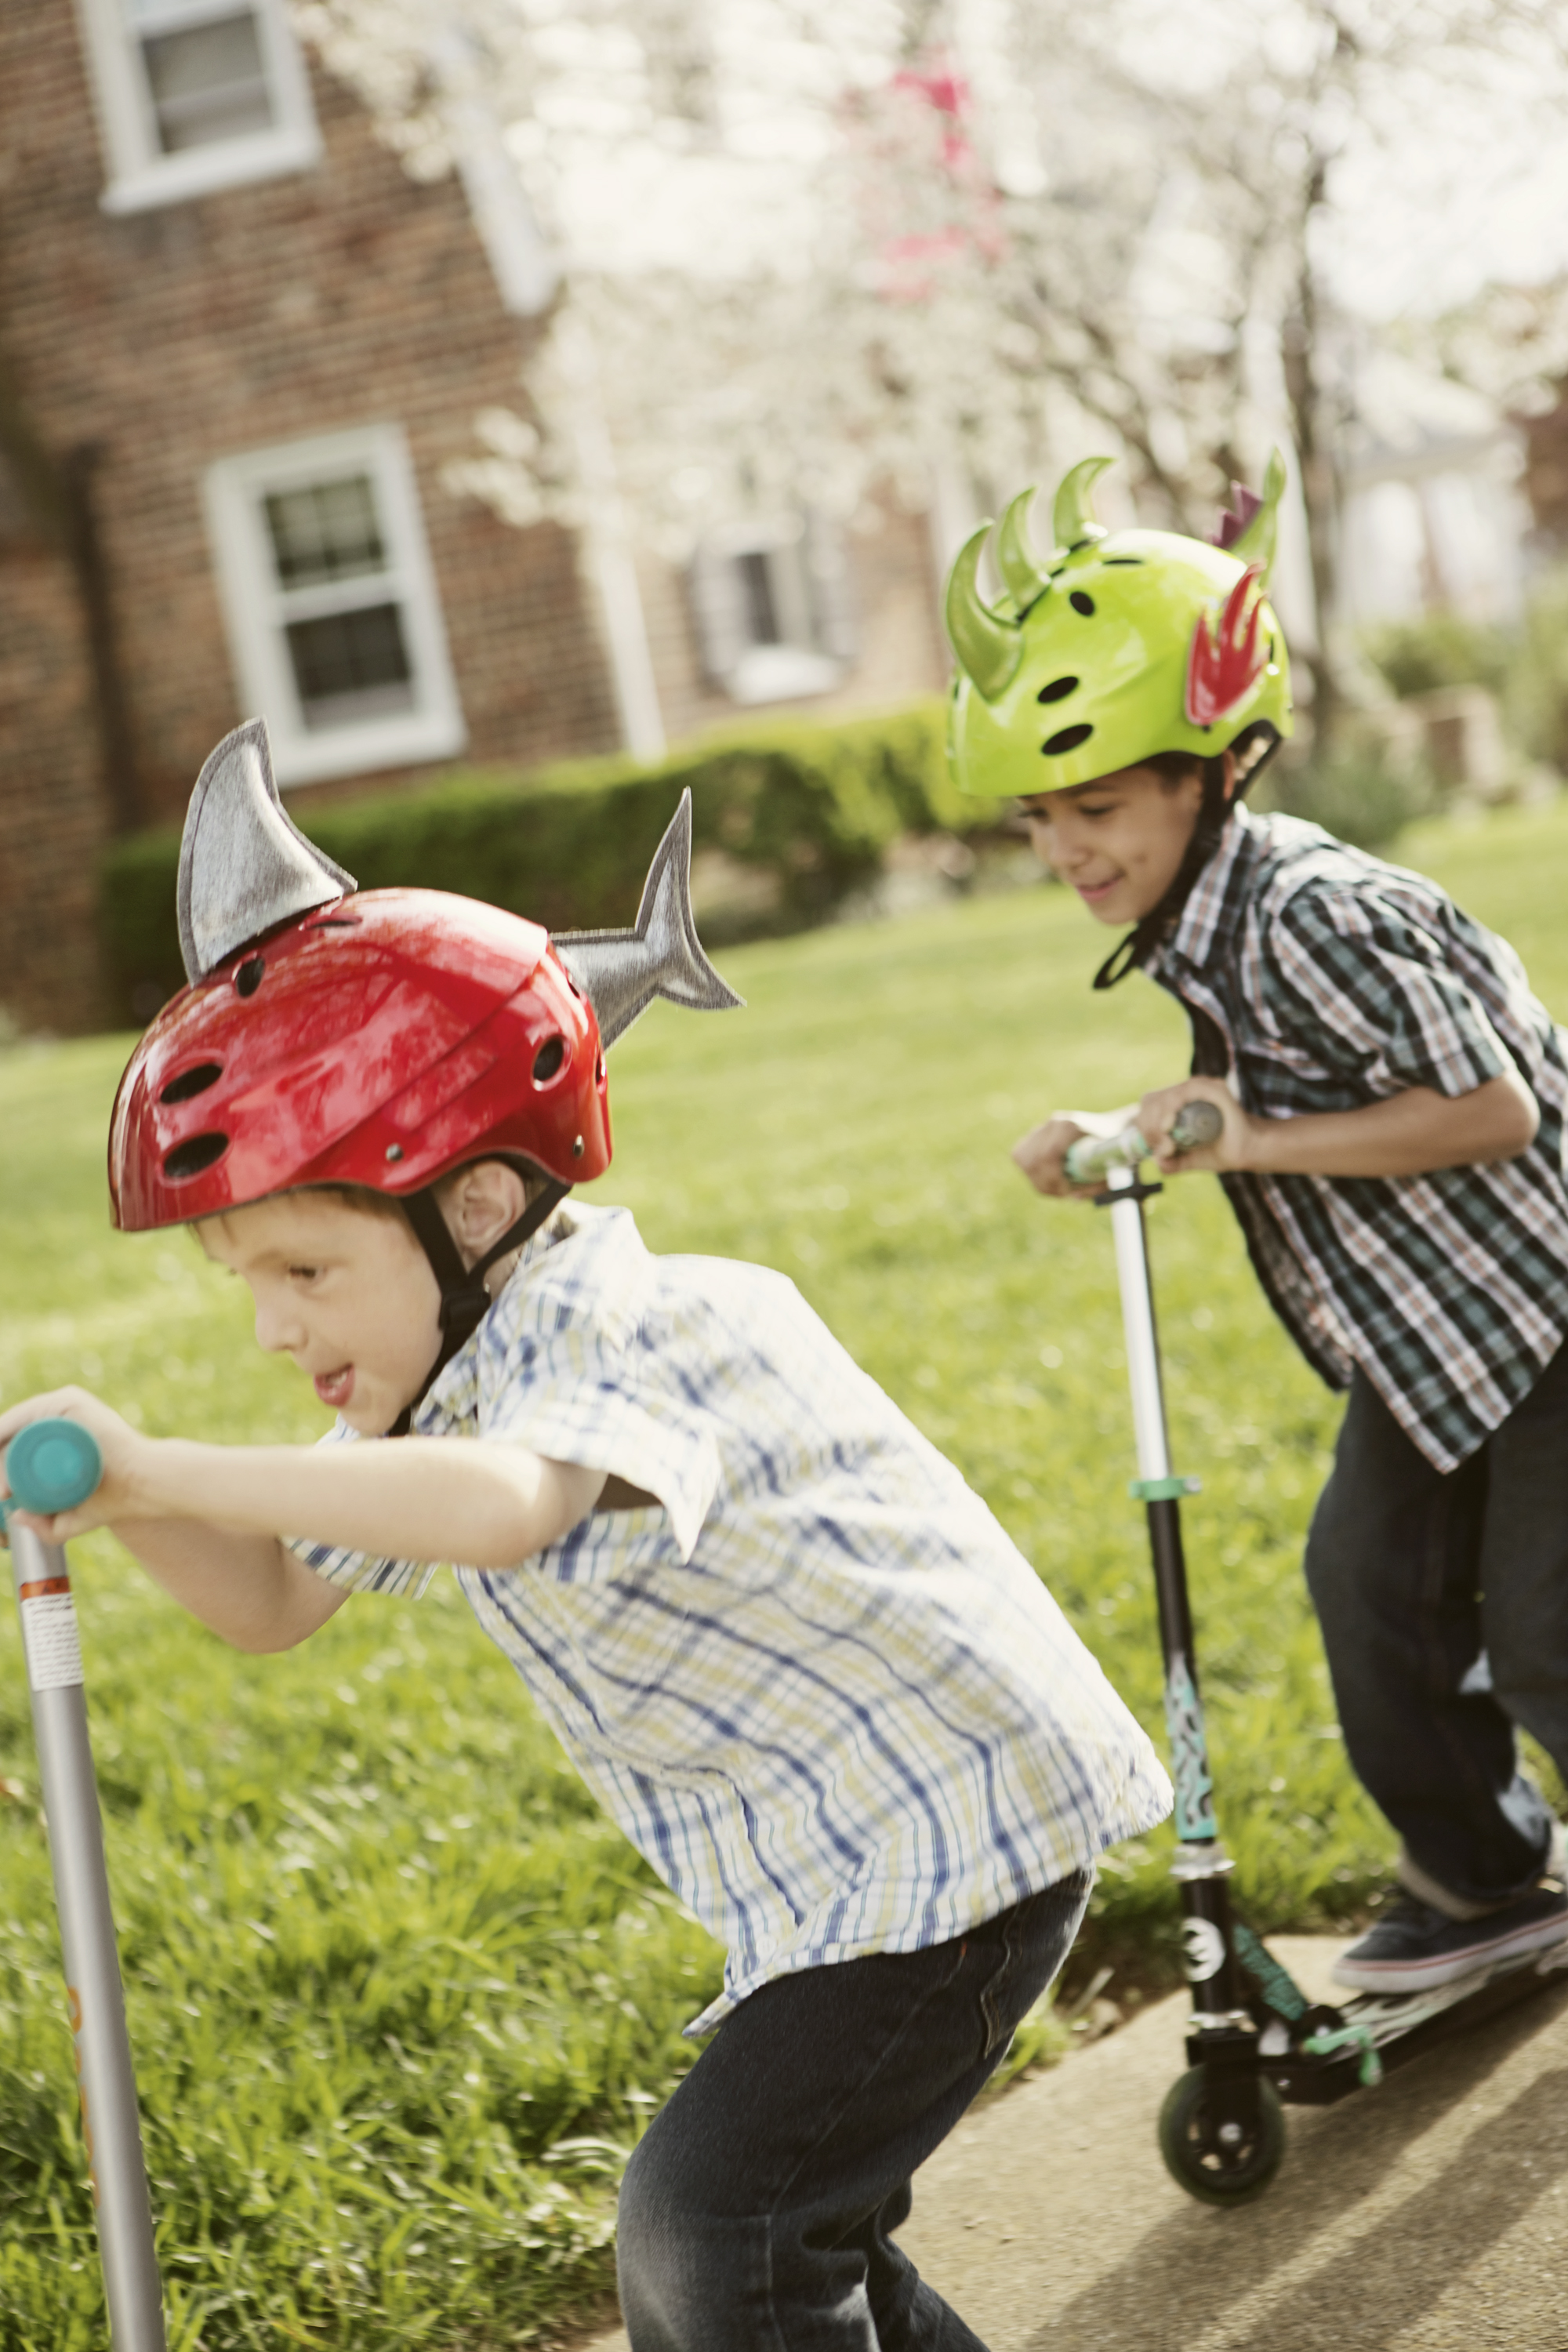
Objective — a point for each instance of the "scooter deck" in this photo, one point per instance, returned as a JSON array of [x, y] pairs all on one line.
[[1373, 2034]]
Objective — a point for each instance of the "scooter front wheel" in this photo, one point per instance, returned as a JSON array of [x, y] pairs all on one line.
[[1220, 2162]]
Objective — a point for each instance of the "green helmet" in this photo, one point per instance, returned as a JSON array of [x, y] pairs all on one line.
[[1122, 645]]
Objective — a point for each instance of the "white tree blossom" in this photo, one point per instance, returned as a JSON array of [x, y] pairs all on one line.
[[817, 251]]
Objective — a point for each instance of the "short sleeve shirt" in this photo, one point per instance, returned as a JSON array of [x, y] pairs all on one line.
[[814, 1681], [1319, 979]]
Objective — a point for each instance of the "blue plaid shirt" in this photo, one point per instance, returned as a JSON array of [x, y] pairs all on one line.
[[814, 1683], [1321, 979]]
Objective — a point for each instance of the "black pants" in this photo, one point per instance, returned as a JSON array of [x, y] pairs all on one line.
[[1444, 1605], [755, 2214]]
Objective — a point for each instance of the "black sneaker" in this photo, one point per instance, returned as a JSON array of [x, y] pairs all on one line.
[[1413, 1947]]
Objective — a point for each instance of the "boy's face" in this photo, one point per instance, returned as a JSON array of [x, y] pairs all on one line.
[[349, 1294], [1119, 841]]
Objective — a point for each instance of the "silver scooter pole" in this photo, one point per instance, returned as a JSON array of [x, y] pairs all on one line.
[[52, 1465], [1116, 1159], [1202, 1864]]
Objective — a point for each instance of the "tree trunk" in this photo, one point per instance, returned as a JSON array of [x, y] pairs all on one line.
[[1320, 485], [84, 544], [59, 495]]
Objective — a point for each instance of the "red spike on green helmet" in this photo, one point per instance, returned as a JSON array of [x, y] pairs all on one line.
[[1123, 645]]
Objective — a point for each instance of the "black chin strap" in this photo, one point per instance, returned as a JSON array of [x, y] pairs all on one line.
[[465, 1301], [1129, 954], [1140, 943]]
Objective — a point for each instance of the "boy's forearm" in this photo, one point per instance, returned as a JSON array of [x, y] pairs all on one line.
[[245, 1587], [489, 1506], [1410, 1134]]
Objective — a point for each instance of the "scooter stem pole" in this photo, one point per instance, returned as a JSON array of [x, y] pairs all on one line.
[[1150, 1435], [1138, 1324], [1201, 1864], [112, 2126]]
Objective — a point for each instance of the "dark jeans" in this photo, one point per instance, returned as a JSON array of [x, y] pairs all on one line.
[[755, 2214], [1444, 1605]]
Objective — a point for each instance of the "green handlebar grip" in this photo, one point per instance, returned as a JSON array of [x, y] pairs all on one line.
[[52, 1465], [1196, 1123]]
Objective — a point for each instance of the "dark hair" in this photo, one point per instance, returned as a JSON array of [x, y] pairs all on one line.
[[362, 1197], [1175, 766]]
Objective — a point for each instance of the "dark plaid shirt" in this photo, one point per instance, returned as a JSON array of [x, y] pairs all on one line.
[[1318, 979]]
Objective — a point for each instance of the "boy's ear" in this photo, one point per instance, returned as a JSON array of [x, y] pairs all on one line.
[[482, 1202], [1227, 760]]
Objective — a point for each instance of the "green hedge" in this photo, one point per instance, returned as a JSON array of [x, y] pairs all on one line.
[[814, 804]]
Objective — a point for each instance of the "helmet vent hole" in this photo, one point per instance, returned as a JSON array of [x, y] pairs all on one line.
[[1081, 602], [1132, 561], [248, 978], [1057, 690], [1067, 738], [193, 1081], [190, 1158], [548, 1060]]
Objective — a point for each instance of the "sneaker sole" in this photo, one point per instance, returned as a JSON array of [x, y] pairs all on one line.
[[1417, 1976]]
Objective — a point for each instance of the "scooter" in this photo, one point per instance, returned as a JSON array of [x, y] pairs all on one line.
[[1254, 2037], [53, 1465]]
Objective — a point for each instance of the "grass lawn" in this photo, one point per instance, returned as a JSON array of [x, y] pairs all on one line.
[[400, 1998]]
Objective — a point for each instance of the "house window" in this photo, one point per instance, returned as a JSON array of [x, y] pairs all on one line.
[[333, 622], [196, 95], [774, 609]]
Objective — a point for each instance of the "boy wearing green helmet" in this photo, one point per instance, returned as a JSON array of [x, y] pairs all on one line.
[[1395, 1103]]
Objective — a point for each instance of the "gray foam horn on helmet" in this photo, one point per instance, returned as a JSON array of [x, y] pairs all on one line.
[[621, 972], [245, 868]]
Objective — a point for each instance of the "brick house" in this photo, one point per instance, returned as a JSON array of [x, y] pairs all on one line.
[[238, 348]]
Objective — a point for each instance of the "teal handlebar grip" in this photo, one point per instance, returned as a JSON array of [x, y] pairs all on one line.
[[52, 1465], [1196, 1123]]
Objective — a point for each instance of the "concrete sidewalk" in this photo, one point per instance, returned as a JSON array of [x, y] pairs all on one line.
[[1429, 2215]]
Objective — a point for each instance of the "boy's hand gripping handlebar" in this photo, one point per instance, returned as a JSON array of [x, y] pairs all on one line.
[[1196, 1124], [51, 1467]]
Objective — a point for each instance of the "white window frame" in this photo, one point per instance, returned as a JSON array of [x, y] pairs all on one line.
[[256, 607], [141, 177], [806, 660]]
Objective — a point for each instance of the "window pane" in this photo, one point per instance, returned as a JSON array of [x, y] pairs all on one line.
[[326, 532], [207, 83], [762, 611], [351, 666]]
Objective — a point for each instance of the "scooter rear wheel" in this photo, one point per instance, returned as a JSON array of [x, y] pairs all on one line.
[[1221, 2164]]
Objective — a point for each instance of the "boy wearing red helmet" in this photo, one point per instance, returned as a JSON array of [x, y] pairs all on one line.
[[791, 1652], [1393, 1102]]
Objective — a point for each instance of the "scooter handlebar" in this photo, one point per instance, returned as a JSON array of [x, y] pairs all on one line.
[[51, 1466], [1196, 1124]]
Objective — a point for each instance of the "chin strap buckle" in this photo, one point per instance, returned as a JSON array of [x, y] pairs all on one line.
[[462, 1311]]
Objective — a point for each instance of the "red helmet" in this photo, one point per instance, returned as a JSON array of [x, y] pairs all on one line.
[[381, 1039], [378, 1037]]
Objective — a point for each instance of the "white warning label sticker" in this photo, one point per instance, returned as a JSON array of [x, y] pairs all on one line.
[[54, 1648]]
